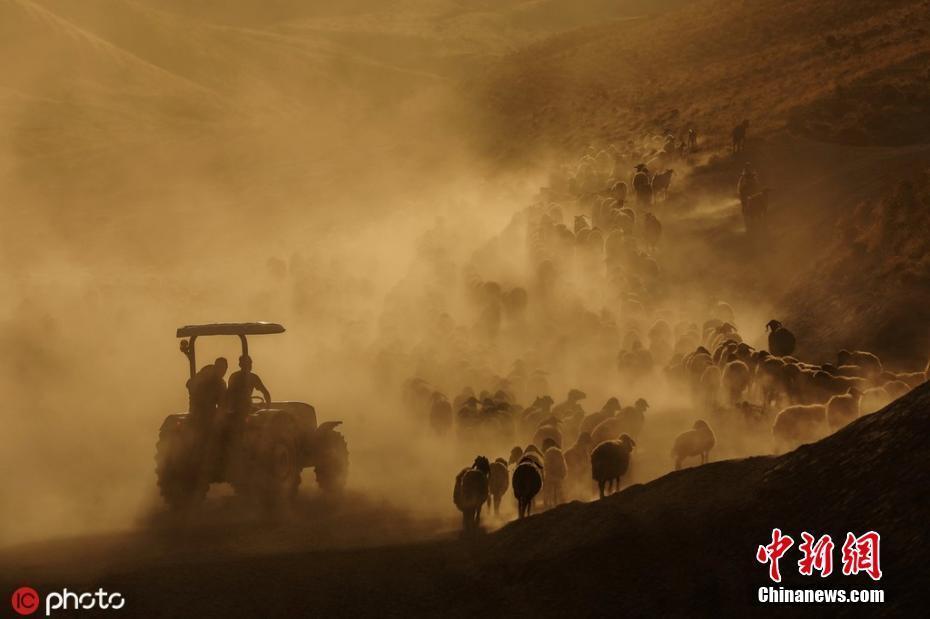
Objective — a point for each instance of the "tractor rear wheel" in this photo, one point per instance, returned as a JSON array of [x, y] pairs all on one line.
[[332, 468], [181, 482], [277, 472]]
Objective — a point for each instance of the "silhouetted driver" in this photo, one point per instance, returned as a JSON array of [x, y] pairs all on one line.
[[241, 385]]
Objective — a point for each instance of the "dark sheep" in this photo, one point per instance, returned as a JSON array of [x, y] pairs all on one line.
[[498, 483], [781, 340], [660, 183], [526, 482], [610, 461], [471, 492]]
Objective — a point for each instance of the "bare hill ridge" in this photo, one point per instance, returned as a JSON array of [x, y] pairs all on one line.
[[713, 63]]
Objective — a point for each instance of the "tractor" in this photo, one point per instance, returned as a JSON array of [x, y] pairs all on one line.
[[260, 453]]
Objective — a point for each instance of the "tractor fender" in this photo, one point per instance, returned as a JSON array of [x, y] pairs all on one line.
[[327, 426], [174, 422]]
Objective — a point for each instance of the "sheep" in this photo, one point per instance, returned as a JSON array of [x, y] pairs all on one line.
[[873, 400], [826, 385], [781, 340], [800, 423], [532, 449], [771, 377], [710, 386], [590, 422], [652, 231], [871, 363], [896, 388], [842, 409], [515, 454], [610, 460], [735, 380], [623, 219], [660, 331], [536, 412], [697, 363], [440, 415], [610, 428], [556, 469], [581, 223], [723, 352], [698, 441], [618, 191], [498, 482], [723, 312], [660, 183], [578, 459], [912, 379], [527, 480], [571, 404], [632, 418], [550, 432], [723, 333], [852, 371], [471, 492]]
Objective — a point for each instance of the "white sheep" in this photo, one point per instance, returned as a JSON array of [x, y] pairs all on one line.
[[843, 409], [874, 400], [870, 362], [556, 470], [896, 388], [698, 441], [735, 380], [710, 386], [801, 423]]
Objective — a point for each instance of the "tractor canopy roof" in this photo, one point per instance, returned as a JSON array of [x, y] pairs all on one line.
[[231, 328]]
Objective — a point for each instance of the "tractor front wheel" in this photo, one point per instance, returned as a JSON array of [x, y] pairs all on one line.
[[277, 474]]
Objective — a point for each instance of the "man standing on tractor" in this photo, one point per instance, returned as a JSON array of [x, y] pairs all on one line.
[[241, 385], [207, 392]]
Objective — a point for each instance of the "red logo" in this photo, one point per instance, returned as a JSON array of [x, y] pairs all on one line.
[[817, 555], [25, 600], [860, 554], [773, 552]]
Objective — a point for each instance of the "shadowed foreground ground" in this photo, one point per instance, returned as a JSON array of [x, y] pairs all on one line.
[[681, 545]]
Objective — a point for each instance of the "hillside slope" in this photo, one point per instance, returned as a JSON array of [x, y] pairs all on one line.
[[711, 64], [871, 284], [688, 538]]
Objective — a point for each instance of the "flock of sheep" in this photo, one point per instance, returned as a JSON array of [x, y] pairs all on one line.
[[573, 288], [729, 380]]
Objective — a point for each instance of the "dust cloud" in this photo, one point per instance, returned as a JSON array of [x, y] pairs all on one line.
[[271, 174]]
